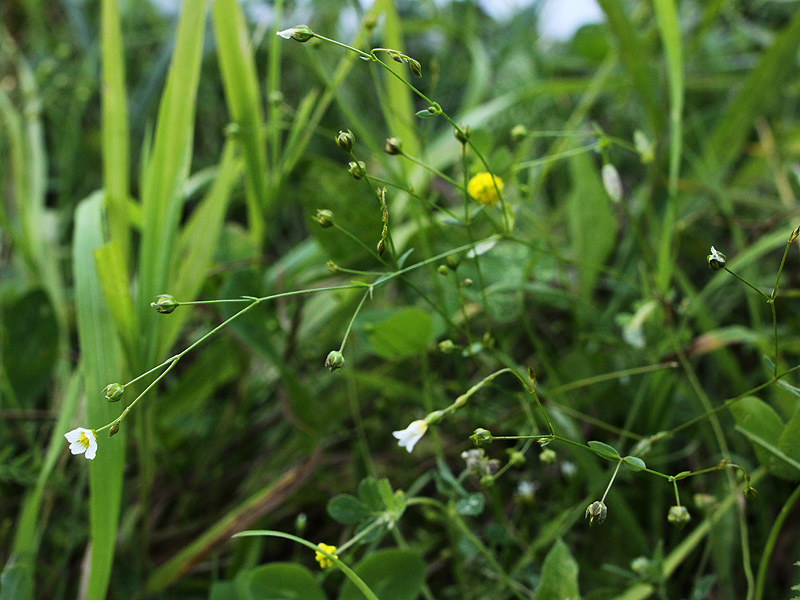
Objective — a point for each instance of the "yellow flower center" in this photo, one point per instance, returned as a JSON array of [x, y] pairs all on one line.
[[83, 440]]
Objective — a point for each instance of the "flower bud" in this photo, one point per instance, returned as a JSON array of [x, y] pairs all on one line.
[[750, 492], [519, 133], [334, 361], [357, 170], [324, 217], [113, 430], [612, 182], [516, 458], [164, 304], [596, 511], [299, 33], [453, 260], [716, 260], [794, 235], [640, 565], [442, 270], [446, 346], [548, 456], [462, 134], [381, 248], [415, 67], [678, 515], [345, 140], [644, 147], [481, 437], [467, 282], [393, 146], [332, 266], [113, 392]]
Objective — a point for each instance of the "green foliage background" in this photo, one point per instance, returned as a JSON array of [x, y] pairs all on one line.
[[145, 153]]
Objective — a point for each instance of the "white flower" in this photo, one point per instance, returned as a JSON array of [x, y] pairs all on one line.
[[408, 437], [82, 440]]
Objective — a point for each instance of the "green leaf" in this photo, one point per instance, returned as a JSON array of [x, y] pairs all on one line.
[[408, 332], [369, 493], [472, 505], [348, 509], [603, 450], [789, 439], [592, 224], [282, 581], [223, 590], [101, 363], [392, 574], [559, 579], [756, 417], [633, 463]]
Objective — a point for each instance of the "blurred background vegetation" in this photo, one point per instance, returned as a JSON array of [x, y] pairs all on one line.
[[149, 150]]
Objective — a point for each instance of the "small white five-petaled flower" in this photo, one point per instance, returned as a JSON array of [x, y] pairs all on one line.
[[82, 440], [408, 437]]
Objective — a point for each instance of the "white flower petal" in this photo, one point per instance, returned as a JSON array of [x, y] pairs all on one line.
[[82, 440], [408, 437]]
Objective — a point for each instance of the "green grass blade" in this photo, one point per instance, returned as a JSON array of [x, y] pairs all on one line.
[[671, 39], [631, 52], [101, 363], [115, 128], [397, 106], [167, 167], [244, 102], [754, 98], [198, 241]]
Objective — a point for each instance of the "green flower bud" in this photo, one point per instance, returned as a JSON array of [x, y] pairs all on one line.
[[548, 456], [298, 33], [357, 170], [612, 182], [164, 304], [678, 515], [446, 346], [487, 480], [750, 492], [113, 392], [640, 565], [644, 147], [381, 248], [462, 134], [519, 133], [345, 140], [794, 235], [113, 430], [332, 266], [596, 511], [324, 217], [415, 67], [453, 260], [467, 282], [716, 260], [481, 437], [442, 270], [516, 458], [334, 361], [393, 146]]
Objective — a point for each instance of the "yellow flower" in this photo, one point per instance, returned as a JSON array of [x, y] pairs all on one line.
[[324, 560], [483, 189]]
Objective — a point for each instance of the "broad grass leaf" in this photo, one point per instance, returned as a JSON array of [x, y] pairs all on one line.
[[762, 421], [392, 574], [280, 581], [559, 575], [789, 440], [405, 333]]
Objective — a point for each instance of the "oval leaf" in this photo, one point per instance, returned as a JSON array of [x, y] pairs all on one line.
[[603, 450], [348, 509], [283, 581], [392, 574], [634, 463], [406, 333]]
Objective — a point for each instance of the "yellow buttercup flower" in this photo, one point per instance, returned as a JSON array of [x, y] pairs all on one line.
[[482, 188], [323, 560]]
